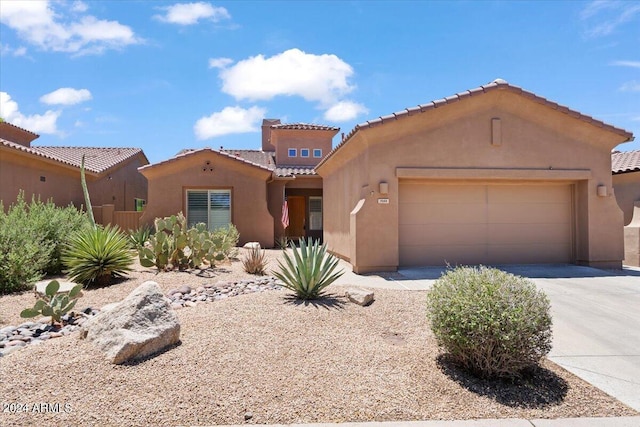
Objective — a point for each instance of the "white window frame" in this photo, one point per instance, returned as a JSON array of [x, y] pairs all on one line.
[[319, 151], [315, 217], [292, 150], [212, 225], [302, 150]]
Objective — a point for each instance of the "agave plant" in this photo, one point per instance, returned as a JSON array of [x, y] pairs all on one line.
[[97, 255], [310, 270], [137, 238]]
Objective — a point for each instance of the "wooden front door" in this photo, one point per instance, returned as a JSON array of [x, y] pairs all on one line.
[[297, 217]]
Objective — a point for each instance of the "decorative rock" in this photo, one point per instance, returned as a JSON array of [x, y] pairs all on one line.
[[252, 245], [17, 342], [140, 325], [248, 416], [189, 304], [185, 289], [359, 296], [176, 305]]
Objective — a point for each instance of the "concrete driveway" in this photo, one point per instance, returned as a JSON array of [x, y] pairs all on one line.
[[596, 319]]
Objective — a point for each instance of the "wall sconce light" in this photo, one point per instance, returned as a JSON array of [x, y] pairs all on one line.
[[384, 188], [602, 191]]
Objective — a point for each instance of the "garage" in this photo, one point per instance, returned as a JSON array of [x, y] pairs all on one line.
[[488, 223]]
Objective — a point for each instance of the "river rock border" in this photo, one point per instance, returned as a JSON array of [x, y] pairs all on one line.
[[14, 338]]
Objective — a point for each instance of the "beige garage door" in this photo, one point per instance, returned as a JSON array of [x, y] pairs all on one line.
[[484, 224]]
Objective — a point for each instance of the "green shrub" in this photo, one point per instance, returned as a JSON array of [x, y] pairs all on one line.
[[54, 304], [97, 255], [255, 261], [31, 240], [310, 270], [491, 323], [282, 242]]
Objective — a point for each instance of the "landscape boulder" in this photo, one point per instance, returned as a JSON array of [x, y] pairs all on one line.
[[359, 296], [140, 325], [252, 245]]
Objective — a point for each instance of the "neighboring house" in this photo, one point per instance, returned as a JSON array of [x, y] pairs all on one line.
[[625, 167], [54, 172], [493, 175], [247, 187]]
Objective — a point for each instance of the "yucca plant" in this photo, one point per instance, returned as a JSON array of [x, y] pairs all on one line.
[[97, 255], [255, 262], [310, 270]]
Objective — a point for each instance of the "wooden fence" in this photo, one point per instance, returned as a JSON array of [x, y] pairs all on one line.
[[126, 220]]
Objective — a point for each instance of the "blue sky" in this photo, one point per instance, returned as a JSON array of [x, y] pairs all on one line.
[[164, 76]]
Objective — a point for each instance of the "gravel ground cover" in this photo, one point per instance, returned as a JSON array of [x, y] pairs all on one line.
[[267, 358]]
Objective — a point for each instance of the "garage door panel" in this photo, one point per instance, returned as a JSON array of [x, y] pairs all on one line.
[[443, 255], [457, 194], [529, 254], [528, 194], [488, 224], [529, 213], [511, 234]]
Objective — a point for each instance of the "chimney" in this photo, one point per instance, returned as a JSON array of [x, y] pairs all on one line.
[[266, 134]]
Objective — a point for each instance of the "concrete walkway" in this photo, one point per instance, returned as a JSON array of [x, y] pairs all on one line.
[[596, 319]]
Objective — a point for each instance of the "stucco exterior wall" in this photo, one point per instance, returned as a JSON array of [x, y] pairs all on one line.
[[52, 180], [627, 192], [46, 179], [458, 142], [169, 181], [283, 139]]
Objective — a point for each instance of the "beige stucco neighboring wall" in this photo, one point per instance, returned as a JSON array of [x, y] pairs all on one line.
[[48, 179], [458, 142], [169, 181]]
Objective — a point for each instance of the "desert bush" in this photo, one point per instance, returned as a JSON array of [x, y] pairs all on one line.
[[173, 246], [255, 261], [97, 255], [282, 242], [54, 304], [491, 323], [31, 240], [310, 270]]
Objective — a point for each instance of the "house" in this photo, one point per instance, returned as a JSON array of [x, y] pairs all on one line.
[[247, 187], [625, 167], [492, 175], [54, 172]]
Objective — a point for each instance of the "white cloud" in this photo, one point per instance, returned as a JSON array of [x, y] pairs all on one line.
[[603, 17], [191, 13], [321, 78], [632, 86], [5, 49], [344, 111], [42, 25], [37, 123], [632, 64], [228, 121], [220, 62], [66, 96]]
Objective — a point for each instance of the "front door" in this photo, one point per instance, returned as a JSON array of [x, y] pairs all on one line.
[[297, 217]]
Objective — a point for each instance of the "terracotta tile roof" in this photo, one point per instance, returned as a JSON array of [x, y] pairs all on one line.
[[97, 160], [498, 84], [227, 153], [286, 171], [304, 126], [5, 123], [625, 161]]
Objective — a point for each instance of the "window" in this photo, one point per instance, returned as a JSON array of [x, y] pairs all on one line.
[[139, 204], [317, 153], [213, 207], [293, 152], [304, 152], [315, 213]]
